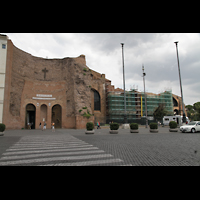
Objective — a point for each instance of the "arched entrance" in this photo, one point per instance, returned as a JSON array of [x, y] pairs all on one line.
[[43, 113], [175, 103], [176, 112], [30, 116], [57, 115]]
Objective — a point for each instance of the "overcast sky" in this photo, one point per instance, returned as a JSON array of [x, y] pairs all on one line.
[[103, 53]]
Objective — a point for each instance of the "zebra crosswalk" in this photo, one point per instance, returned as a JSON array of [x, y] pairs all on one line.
[[55, 151]]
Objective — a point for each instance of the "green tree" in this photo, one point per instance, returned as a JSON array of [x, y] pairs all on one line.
[[190, 112], [160, 112], [196, 107], [193, 112]]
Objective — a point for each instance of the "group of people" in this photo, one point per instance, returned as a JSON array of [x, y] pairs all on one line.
[[45, 126]]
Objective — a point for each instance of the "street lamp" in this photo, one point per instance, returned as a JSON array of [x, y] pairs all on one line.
[[144, 74], [183, 107], [125, 116]]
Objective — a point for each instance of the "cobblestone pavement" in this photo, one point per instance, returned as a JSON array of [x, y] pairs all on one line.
[[68, 147]]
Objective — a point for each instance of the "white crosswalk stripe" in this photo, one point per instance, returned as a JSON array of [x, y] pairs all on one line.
[[45, 148], [86, 163], [53, 151]]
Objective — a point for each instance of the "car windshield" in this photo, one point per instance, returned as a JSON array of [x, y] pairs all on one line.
[[192, 123]]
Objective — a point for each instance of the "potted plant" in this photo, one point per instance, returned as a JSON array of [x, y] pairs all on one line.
[[153, 127], [2, 129], [90, 128], [114, 128], [173, 126], [134, 128]]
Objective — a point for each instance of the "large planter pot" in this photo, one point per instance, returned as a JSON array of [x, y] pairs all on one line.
[[1, 133], [113, 131], [89, 132], [153, 127], [173, 126], [134, 131], [153, 130], [173, 130]]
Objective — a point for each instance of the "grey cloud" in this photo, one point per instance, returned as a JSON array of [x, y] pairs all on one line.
[[103, 53]]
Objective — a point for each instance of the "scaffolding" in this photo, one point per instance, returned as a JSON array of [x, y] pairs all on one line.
[[135, 105], [154, 100]]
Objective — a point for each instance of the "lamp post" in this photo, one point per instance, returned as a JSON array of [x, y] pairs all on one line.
[[183, 107], [125, 116], [144, 74]]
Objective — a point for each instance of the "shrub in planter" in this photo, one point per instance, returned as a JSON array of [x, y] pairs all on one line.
[[134, 128], [153, 127], [173, 126], [89, 127], [114, 128], [2, 127]]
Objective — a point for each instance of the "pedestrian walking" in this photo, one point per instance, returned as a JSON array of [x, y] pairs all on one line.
[[40, 125], [98, 125], [45, 126]]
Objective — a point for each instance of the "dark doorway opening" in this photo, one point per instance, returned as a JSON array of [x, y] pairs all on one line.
[[30, 116], [57, 116], [176, 112]]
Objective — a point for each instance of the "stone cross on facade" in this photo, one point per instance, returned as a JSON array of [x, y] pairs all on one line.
[[45, 71]]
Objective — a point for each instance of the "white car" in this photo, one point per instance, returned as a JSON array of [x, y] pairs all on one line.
[[192, 127]]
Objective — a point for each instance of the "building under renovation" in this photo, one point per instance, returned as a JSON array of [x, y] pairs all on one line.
[[135, 105]]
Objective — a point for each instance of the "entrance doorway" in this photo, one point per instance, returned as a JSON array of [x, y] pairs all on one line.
[[57, 116], [30, 116], [43, 113]]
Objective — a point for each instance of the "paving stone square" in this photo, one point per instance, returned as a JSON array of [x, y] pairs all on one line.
[[69, 147]]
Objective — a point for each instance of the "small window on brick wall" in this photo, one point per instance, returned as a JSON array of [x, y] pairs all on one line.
[[3, 46]]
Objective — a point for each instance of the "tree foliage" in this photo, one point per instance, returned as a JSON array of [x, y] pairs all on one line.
[[160, 112], [193, 111]]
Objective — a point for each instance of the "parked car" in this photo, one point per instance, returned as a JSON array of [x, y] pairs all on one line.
[[192, 127]]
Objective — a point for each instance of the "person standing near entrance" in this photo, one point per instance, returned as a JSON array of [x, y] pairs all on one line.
[[53, 127], [45, 126], [29, 125]]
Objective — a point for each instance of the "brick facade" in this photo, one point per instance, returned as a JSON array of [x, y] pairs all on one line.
[[177, 105], [68, 83]]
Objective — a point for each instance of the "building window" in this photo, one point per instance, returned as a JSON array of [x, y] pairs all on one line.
[[175, 103], [3, 46], [96, 101]]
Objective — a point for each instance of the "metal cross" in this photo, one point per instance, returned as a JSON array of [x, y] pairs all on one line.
[[45, 71]]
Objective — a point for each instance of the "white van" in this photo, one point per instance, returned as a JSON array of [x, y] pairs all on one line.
[[167, 119], [176, 118]]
